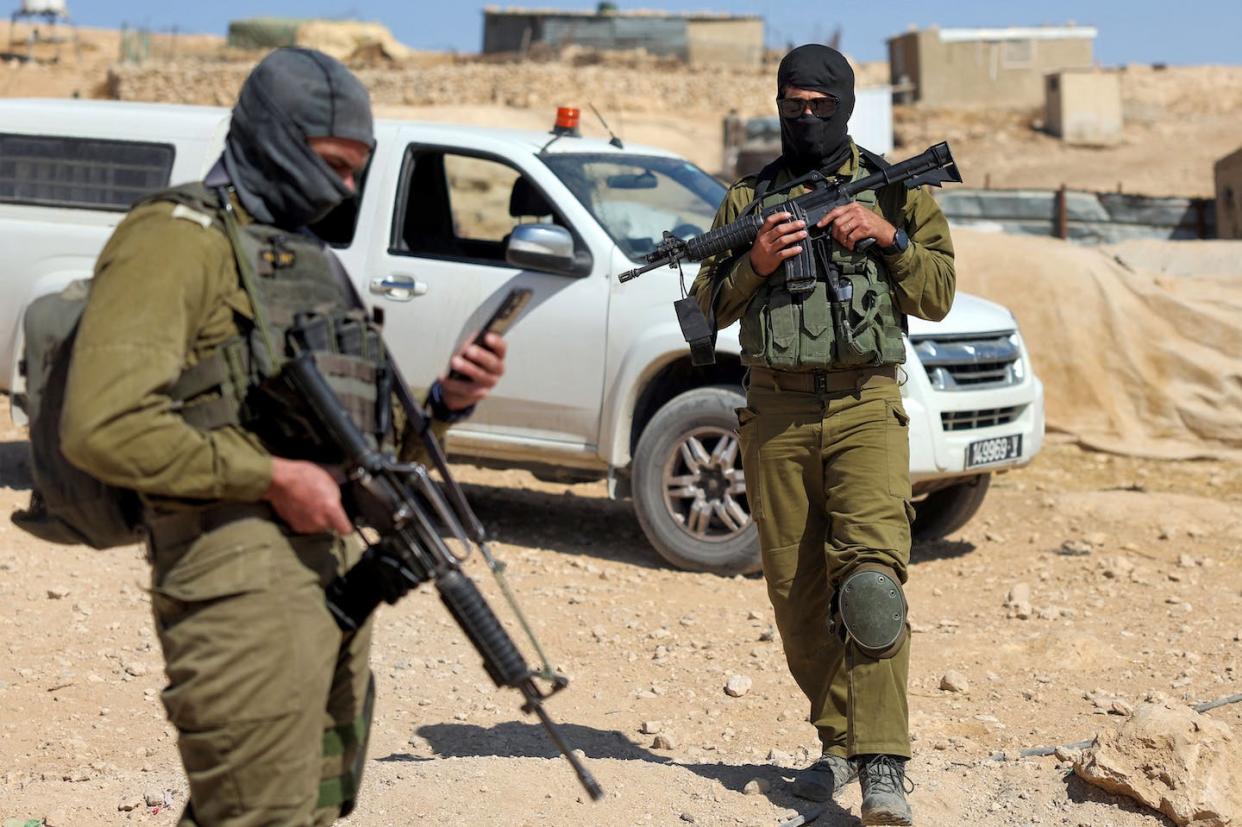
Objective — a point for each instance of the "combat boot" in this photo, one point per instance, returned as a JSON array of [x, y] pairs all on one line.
[[824, 779], [884, 788]]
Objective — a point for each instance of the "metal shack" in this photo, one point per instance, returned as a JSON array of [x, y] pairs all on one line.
[[1084, 107], [698, 38], [984, 67]]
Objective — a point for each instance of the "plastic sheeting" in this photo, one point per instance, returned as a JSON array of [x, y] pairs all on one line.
[[1139, 344]]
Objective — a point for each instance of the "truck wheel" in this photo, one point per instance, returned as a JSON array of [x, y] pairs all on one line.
[[688, 488], [944, 511]]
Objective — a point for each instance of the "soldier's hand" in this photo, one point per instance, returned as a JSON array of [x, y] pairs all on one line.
[[853, 222], [480, 367], [307, 497], [777, 240]]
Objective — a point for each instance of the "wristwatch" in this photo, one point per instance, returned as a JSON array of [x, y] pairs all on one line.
[[900, 242], [439, 411]]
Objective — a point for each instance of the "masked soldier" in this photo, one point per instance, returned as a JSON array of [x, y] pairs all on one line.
[[193, 299], [824, 434]]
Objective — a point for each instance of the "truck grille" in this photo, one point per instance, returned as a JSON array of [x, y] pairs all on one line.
[[990, 360], [985, 418]]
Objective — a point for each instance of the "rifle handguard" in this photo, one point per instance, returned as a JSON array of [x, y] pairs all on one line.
[[740, 233]]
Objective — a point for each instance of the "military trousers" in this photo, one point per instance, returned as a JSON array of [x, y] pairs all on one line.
[[271, 701], [828, 482]]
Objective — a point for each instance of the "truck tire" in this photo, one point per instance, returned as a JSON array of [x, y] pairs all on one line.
[[945, 511], [689, 492]]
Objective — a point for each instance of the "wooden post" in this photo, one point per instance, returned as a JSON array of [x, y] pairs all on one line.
[[1062, 227]]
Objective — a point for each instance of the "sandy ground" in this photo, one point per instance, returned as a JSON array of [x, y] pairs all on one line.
[[1153, 609]]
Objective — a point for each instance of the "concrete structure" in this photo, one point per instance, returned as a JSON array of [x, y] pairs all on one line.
[[697, 38], [1083, 107], [1229, 196], [984, 67]]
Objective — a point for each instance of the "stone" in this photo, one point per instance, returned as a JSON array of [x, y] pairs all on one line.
[[1019, 601], [738, 685], [688, 818], [1075, 548], [57, 593], [953, 681], [1186, 561], [154, 798], [768, 634], [665, 741], [1175, 761], [780, 758], [650, 727], [757, 786]]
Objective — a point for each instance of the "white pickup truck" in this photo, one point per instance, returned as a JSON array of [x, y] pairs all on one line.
[[599, 383]]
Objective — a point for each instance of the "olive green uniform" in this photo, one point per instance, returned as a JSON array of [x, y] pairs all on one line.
[[271, 700], [827, 462]]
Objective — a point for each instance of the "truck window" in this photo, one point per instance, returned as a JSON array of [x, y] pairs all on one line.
[[463, 206], [636, 198], [81, 173]]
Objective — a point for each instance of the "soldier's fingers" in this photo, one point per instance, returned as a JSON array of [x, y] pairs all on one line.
[[788, 252], [485, 359], [833, 215], [338, 521], [774, 219], [497, 345], [776, 231], [790, 238]]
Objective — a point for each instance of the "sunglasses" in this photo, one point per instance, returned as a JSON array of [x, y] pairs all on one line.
[[794, 107]]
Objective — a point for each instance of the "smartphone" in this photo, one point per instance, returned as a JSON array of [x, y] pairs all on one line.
[[499, 323]]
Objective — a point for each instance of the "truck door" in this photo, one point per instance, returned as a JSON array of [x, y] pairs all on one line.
[[444, 272]]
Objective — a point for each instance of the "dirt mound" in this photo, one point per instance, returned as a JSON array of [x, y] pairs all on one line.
[[1133, 361], [352, 41]]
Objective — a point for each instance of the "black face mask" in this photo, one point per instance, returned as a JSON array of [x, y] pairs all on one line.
[[293, 95], [808, 142]]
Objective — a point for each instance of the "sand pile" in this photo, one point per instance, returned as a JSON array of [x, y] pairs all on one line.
[[1139, 345]]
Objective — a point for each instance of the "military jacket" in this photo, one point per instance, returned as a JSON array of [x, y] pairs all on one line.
[[166, 296]]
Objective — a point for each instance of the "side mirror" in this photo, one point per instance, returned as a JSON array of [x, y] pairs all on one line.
[[545, 247]]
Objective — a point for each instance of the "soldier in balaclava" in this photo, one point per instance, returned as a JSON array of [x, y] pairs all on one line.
[[271, 700], [824, 434]]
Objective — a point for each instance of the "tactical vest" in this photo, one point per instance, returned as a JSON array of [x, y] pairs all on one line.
[[781, 332], [300, 301]]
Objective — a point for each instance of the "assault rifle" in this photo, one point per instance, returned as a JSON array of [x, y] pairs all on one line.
[[406, 512], [934, 167]]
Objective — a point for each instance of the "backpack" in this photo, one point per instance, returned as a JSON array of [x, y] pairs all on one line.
[[67, 505]]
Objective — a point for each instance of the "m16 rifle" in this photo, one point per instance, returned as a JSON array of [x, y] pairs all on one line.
[[933, 167], [405, 514]]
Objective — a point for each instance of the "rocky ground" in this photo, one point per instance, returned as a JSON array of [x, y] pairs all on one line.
[[1088, 584]]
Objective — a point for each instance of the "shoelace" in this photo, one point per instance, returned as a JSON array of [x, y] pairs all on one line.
[[885, 774]]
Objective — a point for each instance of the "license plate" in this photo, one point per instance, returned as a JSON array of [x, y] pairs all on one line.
[[997, 449]]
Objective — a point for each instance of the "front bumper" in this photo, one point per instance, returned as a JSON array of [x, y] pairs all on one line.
[[938, 447]]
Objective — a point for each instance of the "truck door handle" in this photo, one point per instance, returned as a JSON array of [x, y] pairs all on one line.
[[398, 288]]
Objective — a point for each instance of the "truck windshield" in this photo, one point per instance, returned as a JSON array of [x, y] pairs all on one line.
[[637, 197]]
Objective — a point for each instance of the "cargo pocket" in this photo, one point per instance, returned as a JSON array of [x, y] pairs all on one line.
[[747, 422], [782, 330], [897, 423], [221, 607]]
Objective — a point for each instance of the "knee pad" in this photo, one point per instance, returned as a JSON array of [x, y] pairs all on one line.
[[872, 610]]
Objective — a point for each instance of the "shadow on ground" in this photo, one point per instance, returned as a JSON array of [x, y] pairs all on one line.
[[924, 551], [1080, 792], [514, 739], [15, 465], [563, 522]]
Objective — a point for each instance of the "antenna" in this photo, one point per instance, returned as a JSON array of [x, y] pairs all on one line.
[[615, 140]]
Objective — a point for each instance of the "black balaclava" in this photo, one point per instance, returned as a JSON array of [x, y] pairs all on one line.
[[293, 95], [808, 142]]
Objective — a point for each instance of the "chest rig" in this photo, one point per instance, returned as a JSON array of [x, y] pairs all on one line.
[[782, 330], [298, 302]]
